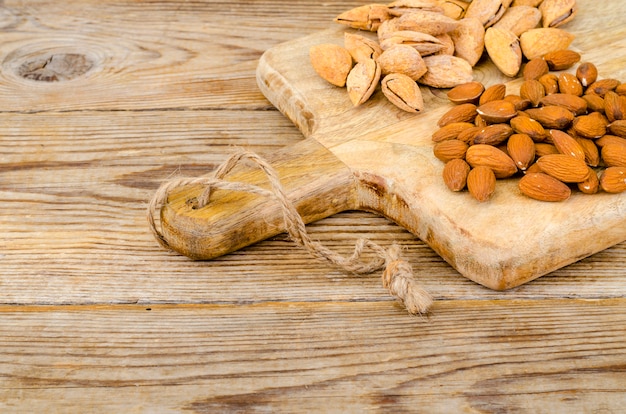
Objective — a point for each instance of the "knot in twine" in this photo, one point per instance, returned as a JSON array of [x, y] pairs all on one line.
[[397, 276]]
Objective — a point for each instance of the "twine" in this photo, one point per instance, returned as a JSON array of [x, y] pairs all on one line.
[[397, 276]]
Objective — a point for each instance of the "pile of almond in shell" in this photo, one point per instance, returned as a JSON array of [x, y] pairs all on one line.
[[563, 131]]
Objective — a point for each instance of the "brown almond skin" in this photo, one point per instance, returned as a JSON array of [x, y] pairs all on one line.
[[450, 149], [497, 111], [561, 59], [591, 185], [535, 69], [481, 183], [618, 128], [613, 180], [614, 106], [521, 149], [489, 156], [569, 83], [527, 125], [572, 103], [587, 73], [564, 167], [550, 83], [493, 93], [543, 187], [532, 90], [455, 174], [493, 134], [551, 116], [451, 131], [566, 144], [460, 113], [469, 92], [595, 103], [614, 155], [592, 153], [609, 139], [544, 148], [590, 126], [602, 86]]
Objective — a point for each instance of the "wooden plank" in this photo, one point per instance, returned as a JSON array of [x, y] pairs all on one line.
[[469, 356]]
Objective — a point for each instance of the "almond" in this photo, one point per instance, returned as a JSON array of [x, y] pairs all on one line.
[[450, 149], [566, 144], [361, 47], [519, 103], [592, 154], [402, 59], [519, 19], [561, 59], [609, 139], [590, 126], [587, 73], [403, 92], [468, 134], [532, 90], [552, 116], [544, 148], [331, 62], [428, 22], [454, 9], [614, 155], [445, 71], [493, 134], [489, 156], [543, 187], [572, 103], [503, 47], [469, 92], [613, 180], [497, 111], [521, 149], [459, 113], [488, 12], [535, 68], [595, 103], [569, 83], [614, 106], [621, 89], [538, 42], [564, 167], [469, 40], [455, 174], [591, 185], [424, 43], [528, 126], [556, 13], [493, 93], [481, 183], [618, 128], [368, 17], [362, 81], [451, 131], [550, 83], [602, 86]]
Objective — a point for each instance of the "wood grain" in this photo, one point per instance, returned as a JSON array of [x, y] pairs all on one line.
[[266, 328]]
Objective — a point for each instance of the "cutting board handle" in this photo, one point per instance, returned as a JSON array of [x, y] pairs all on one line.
[[313, 179]]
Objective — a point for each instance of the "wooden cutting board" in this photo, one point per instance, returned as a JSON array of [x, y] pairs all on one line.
[[378, 158]]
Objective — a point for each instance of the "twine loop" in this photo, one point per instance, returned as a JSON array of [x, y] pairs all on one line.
[[397, 276]]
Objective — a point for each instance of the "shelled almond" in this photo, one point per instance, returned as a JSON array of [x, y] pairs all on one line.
[[438, 42], [572, 138]]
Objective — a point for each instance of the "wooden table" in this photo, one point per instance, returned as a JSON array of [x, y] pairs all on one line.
[[104, 100]]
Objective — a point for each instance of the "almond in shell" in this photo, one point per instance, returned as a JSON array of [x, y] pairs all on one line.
[[543, 187], [503, 47], [362, 81], [538, 42], [361, 47], [445, 71], [403, 92], [556, 13], [368, 17], [331, 62], [402, 59], [428, 22], [489, 12], [469, 40], [519, 19]]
